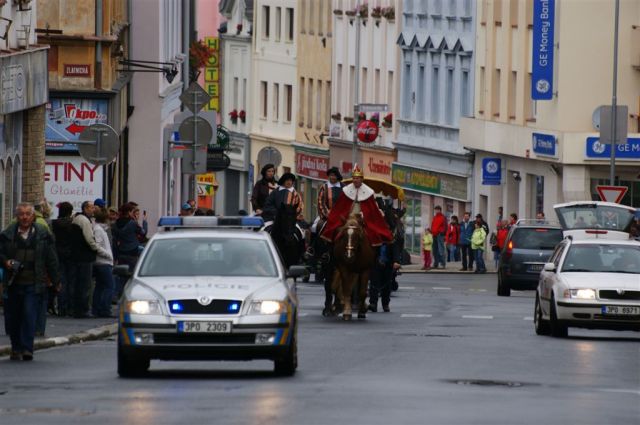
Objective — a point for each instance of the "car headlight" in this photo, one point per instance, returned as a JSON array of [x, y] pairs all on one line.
[[267, 307], [581, 294], [142, 307]]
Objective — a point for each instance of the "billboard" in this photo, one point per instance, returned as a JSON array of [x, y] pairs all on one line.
[[71, 179], [66, 118]]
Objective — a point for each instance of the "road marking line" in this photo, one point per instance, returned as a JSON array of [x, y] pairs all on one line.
[[439, 288], [478, 290], [517, 292], [412, 315], [407, 287], [477, 317], [302, 314], [528, 318]]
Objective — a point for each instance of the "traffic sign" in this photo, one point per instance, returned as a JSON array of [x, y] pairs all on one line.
[[372, 107], [195, 97], [612, 193], [203, 131], [98, 144]]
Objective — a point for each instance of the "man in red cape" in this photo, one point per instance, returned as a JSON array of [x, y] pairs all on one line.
[[358, 198]]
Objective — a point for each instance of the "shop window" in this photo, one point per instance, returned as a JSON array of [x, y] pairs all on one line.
[[413, 226]]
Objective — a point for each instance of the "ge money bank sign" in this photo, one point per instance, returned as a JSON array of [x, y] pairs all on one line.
[[543, 49], [71, 179]]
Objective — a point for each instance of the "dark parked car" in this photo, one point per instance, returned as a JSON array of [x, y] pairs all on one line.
[[528, 247]]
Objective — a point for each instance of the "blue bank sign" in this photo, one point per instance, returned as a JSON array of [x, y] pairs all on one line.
[[543, 49], [544, 144], [491, 171], [597, 150]]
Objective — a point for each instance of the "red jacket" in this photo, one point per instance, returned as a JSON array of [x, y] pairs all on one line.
[[501, 237], [453, 234], [439, 225]]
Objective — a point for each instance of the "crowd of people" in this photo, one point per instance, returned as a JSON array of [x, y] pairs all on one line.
[[64, 266]]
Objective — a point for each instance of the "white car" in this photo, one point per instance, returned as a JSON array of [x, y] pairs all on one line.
[[208, 289], [592, 280]]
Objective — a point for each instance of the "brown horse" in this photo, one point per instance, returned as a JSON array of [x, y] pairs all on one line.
[[354, 257]]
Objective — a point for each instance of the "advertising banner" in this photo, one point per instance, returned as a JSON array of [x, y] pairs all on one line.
[[431, 182], [67, 118], [491, 171], [543, 50], [312, 166], [598, 150], [71, 179], [544, 144]]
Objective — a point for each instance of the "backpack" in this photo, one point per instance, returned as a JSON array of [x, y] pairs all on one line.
[[493, 240]]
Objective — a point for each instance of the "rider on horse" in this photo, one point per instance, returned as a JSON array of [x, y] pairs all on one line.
[[263, 188], [284, 195], [329, 193]]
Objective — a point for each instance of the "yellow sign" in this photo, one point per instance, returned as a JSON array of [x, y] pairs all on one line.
[[211, 74], [212, 89], [213, 43], [206, 184]]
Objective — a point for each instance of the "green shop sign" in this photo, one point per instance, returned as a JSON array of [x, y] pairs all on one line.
[[429, 182]]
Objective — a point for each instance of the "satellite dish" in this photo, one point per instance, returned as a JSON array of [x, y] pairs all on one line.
[[269, 155], [595, 118]]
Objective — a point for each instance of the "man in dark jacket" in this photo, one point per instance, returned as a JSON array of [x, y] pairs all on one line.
[[263, 188], [61, 228], [466, 231], [27, 253], [83, 254]]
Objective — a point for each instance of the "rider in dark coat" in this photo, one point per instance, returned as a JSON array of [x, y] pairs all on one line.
[[263, 188], [285, 195]]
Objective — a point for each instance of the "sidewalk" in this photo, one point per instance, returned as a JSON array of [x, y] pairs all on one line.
[[64, 331], [416, 267]]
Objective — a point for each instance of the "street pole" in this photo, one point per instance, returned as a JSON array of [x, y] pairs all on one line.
[[614, 98], [195, 149], [356, 87]]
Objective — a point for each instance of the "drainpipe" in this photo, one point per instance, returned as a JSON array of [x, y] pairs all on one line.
[[98, 72]]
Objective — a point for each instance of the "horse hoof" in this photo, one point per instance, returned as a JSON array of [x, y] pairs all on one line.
[[362, 315], [346, 317], [327, 312]]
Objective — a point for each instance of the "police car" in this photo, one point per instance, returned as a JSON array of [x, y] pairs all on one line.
[[208, 288], [592, 280]]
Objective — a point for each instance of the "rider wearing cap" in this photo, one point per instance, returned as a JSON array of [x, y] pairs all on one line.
[[263, 188], [329, 193], [285, 195], [358, 199]]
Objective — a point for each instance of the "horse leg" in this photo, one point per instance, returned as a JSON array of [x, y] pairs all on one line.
[[347, 285], [363, 281], [336, 289]]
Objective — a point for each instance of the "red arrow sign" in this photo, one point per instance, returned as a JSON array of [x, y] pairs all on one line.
[[612, 193], [75, 128]]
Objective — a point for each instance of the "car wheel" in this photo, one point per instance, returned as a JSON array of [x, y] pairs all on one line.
[[287, 365], [541, 325], [558, 329], [503, 288], [129, 366]]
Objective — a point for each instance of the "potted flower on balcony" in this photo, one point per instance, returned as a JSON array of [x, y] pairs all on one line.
[[362, 116], [363, 10], [376, 12], [351, 12], [243, 116], [375, 117], [348, 120], [389, 13], [337, 12], [238, 29], [337, 117], [199, 55], [233, 115], [387, 121]]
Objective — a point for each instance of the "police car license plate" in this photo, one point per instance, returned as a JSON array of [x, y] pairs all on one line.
[[620, 310], [204, 327]]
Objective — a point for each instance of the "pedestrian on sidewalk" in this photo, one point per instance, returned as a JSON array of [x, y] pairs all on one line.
[[84, 249], [126, 236], [43, 214], [466, 231], [452, 238], [438, 230], [501, 238], [102, 268], [427, 245], [477, 245], [27, 253], [62, 231]]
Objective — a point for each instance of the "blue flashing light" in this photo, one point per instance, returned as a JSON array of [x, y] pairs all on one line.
[[168, 221], [176, 307], [210, 222], [233, 307], [252, 221]]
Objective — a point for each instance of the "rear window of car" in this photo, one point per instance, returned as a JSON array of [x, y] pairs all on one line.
[[536, 238], [603, 259]]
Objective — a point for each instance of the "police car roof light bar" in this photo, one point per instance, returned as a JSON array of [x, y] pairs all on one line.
[[210, 222]]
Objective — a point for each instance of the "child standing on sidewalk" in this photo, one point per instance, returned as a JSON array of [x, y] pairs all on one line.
[[427, 245]]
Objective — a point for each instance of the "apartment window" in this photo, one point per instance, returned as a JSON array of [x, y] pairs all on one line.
[[288, 98], [352, 98], [482, 90], [303, 17], [339, 88], [364, 84], [464, 94], [318, 120], [278, 23], [513, 84], [376, 86], [327, 104], [407, 94], [263, 97], [421, 93], [312, 17], [276, 102], [513, 12], [497, 11], [320, 15], [530, 106], [266, 21], [290, 23], [236, 87], [329, 18], [467, 7], [452, 7], [435, 95], [390, 88], [301, 102], [449, 98], [310, 103], [244, 94], [495, 101]]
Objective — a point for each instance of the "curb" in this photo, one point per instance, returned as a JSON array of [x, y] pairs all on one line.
[[441, 272], [77, 338]]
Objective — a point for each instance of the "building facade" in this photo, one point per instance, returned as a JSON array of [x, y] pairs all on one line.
[[547, 151], [376, 27], [23, 79], [236, 111], [274, 100], [436, 89], [87, 39], [313, 115]]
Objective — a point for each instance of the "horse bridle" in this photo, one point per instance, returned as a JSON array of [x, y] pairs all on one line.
[[351, 230]]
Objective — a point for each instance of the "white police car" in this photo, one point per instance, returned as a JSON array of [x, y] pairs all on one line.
[[211, 288], [592, 280]]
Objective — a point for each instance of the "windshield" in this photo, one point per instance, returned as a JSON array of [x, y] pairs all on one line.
[[536, 238], [595, 216], [208, 257], [603, 259]]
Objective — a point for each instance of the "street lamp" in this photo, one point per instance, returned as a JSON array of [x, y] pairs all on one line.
[[169, 69]]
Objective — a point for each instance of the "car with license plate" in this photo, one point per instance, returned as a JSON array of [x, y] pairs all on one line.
[[528, 246], [208, 288], [592, 280]]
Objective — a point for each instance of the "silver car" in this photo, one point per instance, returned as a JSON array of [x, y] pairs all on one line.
[[208, 289]]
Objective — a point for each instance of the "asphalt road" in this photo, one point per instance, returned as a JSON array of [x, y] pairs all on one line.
[[450, 352]]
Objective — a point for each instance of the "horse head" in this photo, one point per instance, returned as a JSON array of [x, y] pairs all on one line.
[[352, 235]]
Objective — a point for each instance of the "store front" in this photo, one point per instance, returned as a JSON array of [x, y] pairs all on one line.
[[311, 168], [233, 187], [377, 164]]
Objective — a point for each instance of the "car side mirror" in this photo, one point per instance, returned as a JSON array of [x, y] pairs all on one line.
[[549, 267], [296, 271], [122, 270]]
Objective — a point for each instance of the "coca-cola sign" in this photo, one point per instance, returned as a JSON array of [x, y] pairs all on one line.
[[312, 166], [367, 131]]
